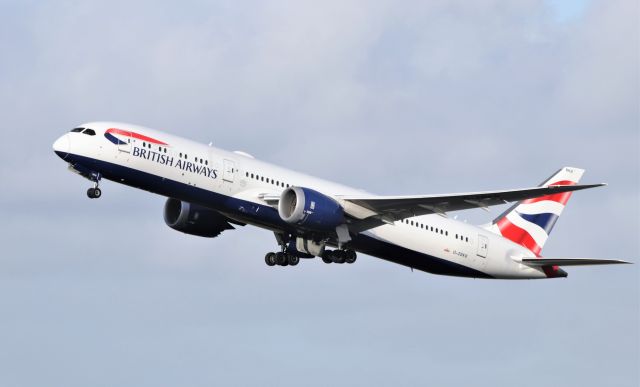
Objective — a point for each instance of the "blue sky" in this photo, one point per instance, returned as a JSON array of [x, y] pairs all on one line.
[[395, 98], [567, 10]]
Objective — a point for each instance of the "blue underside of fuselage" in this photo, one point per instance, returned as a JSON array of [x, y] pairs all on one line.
[[262, 215]]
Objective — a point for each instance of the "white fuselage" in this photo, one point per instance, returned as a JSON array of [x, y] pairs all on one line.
[[187, 170]]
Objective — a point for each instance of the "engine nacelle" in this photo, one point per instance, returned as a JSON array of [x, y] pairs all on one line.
[[310, 209], [193, 219]]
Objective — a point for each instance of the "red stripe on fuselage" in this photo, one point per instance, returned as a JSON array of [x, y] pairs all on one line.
[[518, 235], [136, 136]]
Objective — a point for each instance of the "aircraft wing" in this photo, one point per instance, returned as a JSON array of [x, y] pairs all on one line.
[[569, 261], [373, 211]]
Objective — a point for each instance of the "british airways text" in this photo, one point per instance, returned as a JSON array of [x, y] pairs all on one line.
[[183, 165]]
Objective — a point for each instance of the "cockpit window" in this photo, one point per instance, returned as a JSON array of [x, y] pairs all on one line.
[[76, 130], [90, 132]]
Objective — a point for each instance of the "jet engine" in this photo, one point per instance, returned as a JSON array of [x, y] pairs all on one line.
[[310, 209], [194, 219]]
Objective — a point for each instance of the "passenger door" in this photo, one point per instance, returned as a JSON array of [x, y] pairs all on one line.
[[228, 170], [483, 246]]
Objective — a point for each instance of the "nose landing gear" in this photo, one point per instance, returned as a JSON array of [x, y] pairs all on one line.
[[95, 192]]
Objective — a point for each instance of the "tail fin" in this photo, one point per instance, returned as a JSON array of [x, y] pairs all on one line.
[[530, 221]]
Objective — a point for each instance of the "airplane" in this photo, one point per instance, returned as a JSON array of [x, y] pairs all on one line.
[[211, 190]]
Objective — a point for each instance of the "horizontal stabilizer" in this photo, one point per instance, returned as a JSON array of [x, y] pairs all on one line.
[[569, 261]]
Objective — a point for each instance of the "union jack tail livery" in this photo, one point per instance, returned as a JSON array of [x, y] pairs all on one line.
[[530, 221]]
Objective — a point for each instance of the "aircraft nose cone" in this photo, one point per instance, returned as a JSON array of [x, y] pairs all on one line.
[[61, 146]]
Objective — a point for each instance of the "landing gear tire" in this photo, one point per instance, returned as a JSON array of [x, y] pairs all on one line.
[[281, 259], [350, 256], [326, 260], [94, 193], [270, 259], [339, 256], [293, 259]]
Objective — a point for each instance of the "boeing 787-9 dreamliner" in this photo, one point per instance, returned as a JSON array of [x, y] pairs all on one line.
[[210, 190]]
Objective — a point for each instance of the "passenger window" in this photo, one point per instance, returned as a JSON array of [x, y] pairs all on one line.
[[90, 132]]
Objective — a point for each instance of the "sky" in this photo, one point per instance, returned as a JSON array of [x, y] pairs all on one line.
[[406, 97]]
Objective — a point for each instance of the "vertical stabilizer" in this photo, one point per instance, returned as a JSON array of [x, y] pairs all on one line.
[[530, 221]]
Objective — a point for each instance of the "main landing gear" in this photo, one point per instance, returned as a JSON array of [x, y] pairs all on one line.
[[281, 259], [95, 192], [339, 256], [330, 256]]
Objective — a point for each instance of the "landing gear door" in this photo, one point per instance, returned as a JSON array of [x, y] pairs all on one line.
[[483, 246], [228, 170]]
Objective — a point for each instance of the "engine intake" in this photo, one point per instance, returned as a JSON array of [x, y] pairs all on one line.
[[194, 219], [310, 209]]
